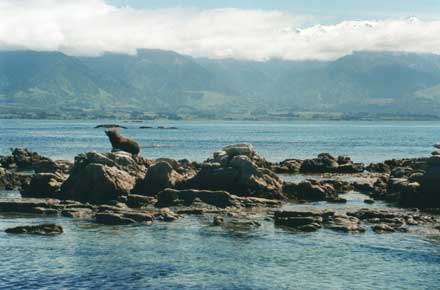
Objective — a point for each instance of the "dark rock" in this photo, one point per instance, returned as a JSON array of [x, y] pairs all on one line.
[[369, 201], [382, 229], [378, 167], [343, 223], [110, 218], [44, 185], [290, 166], [170, 197], [302, 220], [139, 217], [50, 166], [237, 174], [110, 126], [218, 221], [77, 213], [363, 186], [10, 180], [138, 201], [310, 190], [159, 176], [44, 229], [167, 215], [326, 163], [26, 205], [97, 183]]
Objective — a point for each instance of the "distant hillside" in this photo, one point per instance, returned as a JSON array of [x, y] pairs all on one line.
[[157, 83]]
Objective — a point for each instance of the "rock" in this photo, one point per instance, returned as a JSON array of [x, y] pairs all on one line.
[[241, 224], [57, 166], [437, 145], [139, 217], [218, 221], [77, 213], [26, 205], [363, 186], [436, 153], [303, 220], [25, 159], [133, 165], [167, 215], [45, 211], [159, 176], [369, 201], [336, 200], [10, 180], [170, 197], [239, 175], [138, 201], [239, 149], [110, 218], [380, 214], [401, 172], [310, 190], [44, 185], [110, 126], [378, 167], [290, 166], [44, 229], [343, 223], [382, 229], [97, 183]]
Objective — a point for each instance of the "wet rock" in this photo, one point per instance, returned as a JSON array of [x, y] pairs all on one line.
[[97, 183], [26, 205], [44, 185], [240, 224], [111, 218], [159, 176], [45, 211], [369, 201], [78, 213], [343, 223], [310, 190], [137, 201], [303, 220], [237, 174], [401, 172], [363, 186], [139, 217], [336, 200], [382, 229], [57, 166], [166, 215], [10, 180], [328, 163], [290, 166], [23, 159], [44, 229], [170, 197], [110, 126], [218, 220], [378, 167]]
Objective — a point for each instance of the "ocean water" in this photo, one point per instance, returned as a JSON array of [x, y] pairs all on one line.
[[192, 254]]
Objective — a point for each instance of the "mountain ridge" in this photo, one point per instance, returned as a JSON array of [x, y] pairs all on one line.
[[157, 83]]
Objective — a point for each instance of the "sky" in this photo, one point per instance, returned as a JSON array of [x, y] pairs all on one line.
[[243, 29]]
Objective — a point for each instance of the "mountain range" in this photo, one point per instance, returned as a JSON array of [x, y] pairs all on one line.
[[164, 84]]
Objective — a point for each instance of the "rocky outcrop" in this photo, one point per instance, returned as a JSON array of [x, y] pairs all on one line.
[[10, 180], [302, 220], [288, 166], [159, 176], [312, 190], [102, 177], [97, 183], [22, 159], [44, 185], [44, 230], [237, 174], [328, 163], [51, 166], [170, 197]]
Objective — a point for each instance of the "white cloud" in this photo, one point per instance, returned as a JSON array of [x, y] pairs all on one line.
[[91, 27]]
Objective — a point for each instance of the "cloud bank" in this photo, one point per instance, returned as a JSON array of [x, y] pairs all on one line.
[[92, 27]]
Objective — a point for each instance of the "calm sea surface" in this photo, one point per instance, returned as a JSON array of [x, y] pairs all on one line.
[[190, 253]]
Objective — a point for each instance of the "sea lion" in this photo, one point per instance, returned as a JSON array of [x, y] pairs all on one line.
[[122, 143]]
